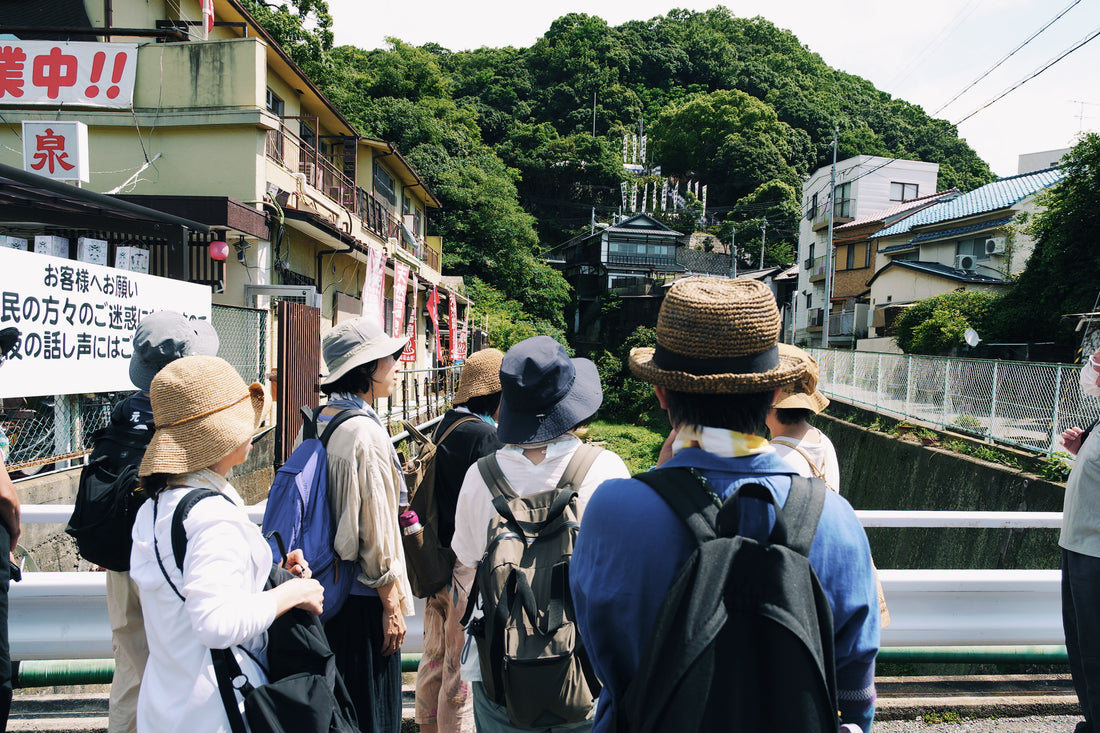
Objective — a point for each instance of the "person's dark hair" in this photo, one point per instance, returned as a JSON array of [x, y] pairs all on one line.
[[745, 413], [792, 415], [485, 404], [358, 380], [154, 483]]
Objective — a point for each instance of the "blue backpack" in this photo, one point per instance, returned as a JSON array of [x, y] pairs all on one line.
[[298, 516]]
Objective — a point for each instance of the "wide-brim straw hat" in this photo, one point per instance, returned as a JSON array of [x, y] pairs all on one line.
[[480, 375], [717, 336], [354, 343], [544, 393], [162, 337], [803, 394], [203, 411]]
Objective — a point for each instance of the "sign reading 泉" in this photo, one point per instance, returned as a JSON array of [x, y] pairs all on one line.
[[76, 321], [57, 150], [55, 73]]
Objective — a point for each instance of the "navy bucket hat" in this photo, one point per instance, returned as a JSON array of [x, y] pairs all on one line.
[[544, 393]]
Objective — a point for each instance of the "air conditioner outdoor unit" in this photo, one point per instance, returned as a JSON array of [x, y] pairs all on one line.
[[965, 262], [306, 294], [995, 246]]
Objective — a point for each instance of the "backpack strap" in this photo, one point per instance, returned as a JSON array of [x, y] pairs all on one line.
[[819, 472], [689, 495], [179, 534], [227, 671], [581, 461], [309, 421], [802, 512], [450, 428], [337, 419]]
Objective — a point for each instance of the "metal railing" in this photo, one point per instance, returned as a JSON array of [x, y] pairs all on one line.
[[1022, 404]]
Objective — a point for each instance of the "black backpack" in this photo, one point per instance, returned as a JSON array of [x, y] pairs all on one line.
[[108, 497], [304, 692], [743, 641]]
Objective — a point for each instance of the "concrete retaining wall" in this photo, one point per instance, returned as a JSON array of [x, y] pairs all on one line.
[[879, 471]]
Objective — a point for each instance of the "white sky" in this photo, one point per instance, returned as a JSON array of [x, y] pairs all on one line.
[[924, 52]]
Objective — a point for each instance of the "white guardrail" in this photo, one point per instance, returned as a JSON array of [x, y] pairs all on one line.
[[63, 615]]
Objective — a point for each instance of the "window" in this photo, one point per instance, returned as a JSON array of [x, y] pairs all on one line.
[[842, 201], [809, 300], [904, 191], [974, 247], [383, 184], [275, 104], [813, 207]]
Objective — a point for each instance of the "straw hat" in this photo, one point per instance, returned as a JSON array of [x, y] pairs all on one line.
[[203, 411], [480, 375], [544, 393], [354, 343], [717, 336], [163, 337], [802, 395]]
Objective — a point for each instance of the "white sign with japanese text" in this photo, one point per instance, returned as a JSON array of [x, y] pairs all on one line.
[[57, 150], [54, 72], [76, 321]]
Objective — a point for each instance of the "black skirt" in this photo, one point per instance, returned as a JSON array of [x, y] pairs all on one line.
[[374, 681]]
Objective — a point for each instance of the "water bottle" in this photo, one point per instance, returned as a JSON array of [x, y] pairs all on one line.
[[410, 523]]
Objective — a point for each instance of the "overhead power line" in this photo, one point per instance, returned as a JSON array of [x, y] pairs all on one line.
[[1007, 56], [1031, 76]]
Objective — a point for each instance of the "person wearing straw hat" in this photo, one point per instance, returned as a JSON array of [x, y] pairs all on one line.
[[442, 699], [545, 396], [159, 339], [205, 418], [716, 370], [366, 487], [807, 449]]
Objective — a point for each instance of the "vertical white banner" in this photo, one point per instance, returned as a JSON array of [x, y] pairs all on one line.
[[400, 290]]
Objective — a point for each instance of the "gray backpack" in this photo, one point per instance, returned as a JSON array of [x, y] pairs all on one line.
[[532, 659]]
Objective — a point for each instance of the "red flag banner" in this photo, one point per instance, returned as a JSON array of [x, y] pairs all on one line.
[[452, 326], [433, 313], [408, 356]]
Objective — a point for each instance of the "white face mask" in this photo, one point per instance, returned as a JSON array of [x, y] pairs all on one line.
[[1089, 375]]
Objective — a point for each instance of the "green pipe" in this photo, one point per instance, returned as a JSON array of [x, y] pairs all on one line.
[[1035, 654], [70, 672]]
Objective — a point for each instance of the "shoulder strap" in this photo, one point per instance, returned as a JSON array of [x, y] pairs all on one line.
[[688, 493], [336, 421], [179, 534], [802, 512], [818, 472], [226, 670], [450, 428], [309, 421], [578, 466], [494, 478]]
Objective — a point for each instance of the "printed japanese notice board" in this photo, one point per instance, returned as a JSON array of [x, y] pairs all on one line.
[[77, 321], [52, 73]]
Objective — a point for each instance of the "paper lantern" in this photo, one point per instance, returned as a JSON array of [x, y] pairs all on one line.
[[219, 250]]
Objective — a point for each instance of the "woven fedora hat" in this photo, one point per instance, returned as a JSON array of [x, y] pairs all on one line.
[[802, 394], [203, 411], [717, 336], [480, 375]]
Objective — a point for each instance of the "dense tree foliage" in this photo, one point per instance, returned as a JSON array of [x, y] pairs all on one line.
[[524, 145], [935, 325], [1063, 272]]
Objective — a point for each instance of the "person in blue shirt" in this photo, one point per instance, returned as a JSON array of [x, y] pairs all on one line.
[[716, 370]]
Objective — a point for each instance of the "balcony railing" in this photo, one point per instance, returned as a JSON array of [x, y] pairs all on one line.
[[842, 214], [323, 174], [817, 268]]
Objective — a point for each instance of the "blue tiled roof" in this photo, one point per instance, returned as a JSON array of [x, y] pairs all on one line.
[[944, 233], [935, 268], [1001, 194]]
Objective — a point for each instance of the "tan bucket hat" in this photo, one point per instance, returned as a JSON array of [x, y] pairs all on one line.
[[203, 411], [802, 394], [354, 343], [480, 375], [717, 336]]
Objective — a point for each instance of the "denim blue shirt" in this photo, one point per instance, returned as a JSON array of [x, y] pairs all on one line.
[[631, 545]]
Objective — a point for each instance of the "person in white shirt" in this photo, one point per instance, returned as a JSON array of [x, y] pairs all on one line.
[[807, 449], [545, 395], [205, 417]]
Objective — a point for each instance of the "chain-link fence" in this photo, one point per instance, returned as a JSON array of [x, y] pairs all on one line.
[[1024, 404], [46, 432]]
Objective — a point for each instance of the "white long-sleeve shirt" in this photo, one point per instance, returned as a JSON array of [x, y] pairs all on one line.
[[224, 571]]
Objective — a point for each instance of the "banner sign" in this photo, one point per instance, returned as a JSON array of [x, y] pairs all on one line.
[[400, 290], [56, 73], [76, 321], [433, 313], [373, 286], [408, 356], [453, 326]]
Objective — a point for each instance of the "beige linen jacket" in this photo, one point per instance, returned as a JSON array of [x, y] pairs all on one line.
[[363, 490]]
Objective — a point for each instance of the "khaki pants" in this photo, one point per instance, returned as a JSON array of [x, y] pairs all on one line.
[[131, 650], [443, 700]]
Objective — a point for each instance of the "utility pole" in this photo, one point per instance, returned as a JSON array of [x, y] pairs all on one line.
[[829, 248], [763, 238], [733, 252]]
